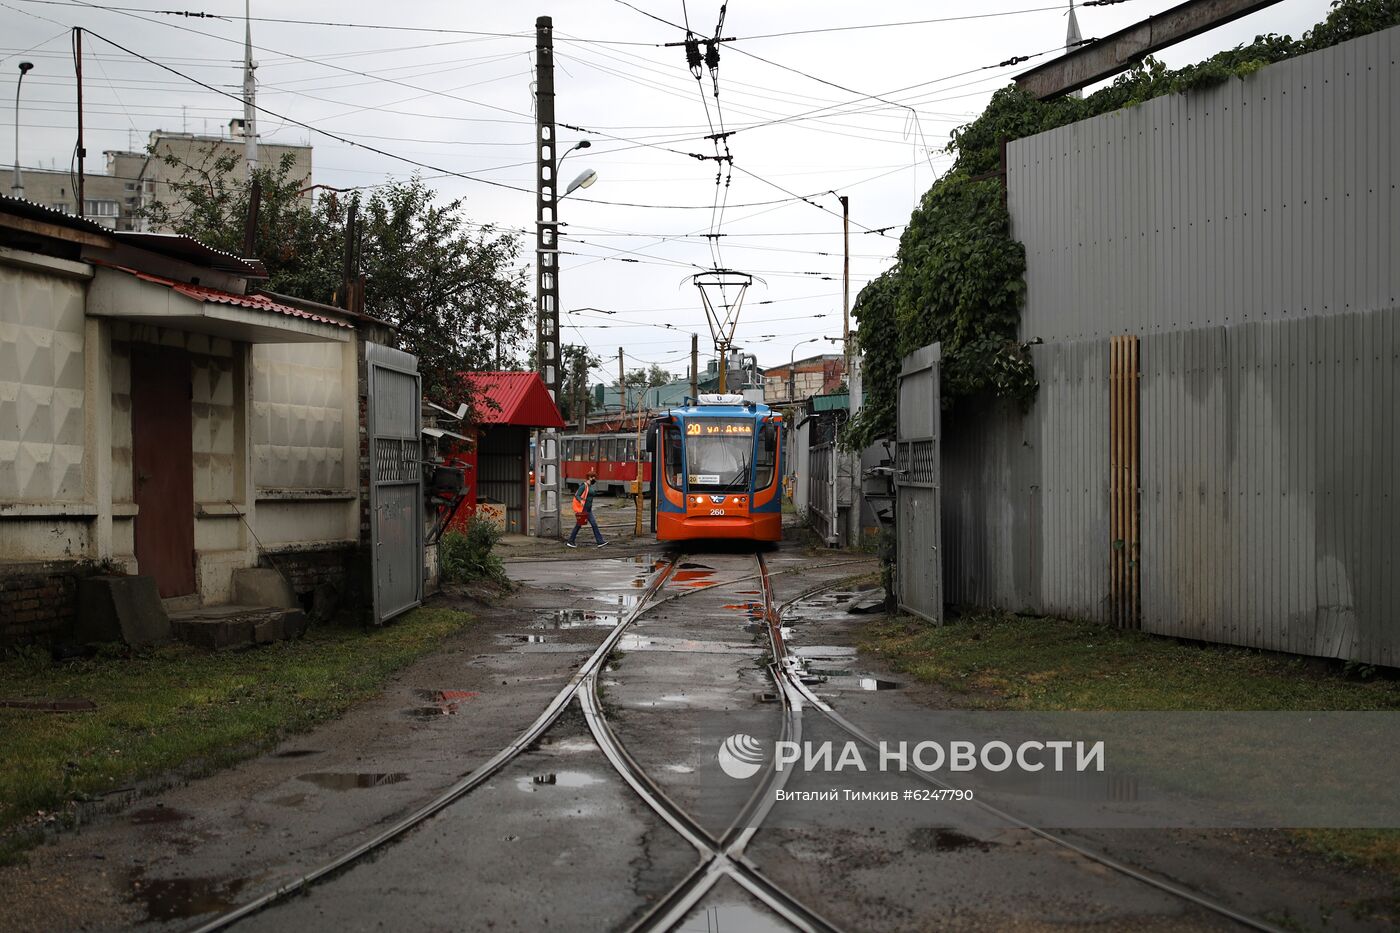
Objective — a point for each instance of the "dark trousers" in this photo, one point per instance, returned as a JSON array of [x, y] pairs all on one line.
[[597, 535]]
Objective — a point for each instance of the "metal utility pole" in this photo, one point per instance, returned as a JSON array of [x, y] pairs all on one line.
[[82, 150], [846, 286], [546, 276], [694, 368], [250, 91], [17, 189], [621, 384]]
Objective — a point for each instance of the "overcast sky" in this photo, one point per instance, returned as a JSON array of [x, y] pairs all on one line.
[[463, 104]]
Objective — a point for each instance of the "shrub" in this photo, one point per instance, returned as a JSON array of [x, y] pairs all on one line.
[[465, 557]]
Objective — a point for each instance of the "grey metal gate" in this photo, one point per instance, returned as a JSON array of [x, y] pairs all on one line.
[[395, 480], [918, 508], [821, 490]]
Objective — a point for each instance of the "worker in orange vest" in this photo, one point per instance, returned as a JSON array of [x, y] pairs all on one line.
[[583, 511]]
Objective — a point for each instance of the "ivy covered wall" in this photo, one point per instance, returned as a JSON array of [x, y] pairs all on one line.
[[959, 277]]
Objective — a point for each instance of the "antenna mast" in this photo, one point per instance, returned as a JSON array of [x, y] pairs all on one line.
[[250, 92]]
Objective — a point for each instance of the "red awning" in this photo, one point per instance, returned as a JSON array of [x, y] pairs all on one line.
[[519, 399]]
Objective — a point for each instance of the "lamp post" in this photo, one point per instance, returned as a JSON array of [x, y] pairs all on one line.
[[17, 189], [792, 362]]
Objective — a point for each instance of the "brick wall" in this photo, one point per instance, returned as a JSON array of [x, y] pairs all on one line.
[[309, 569], [39, 601]]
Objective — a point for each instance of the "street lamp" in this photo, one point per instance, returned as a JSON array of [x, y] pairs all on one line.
[[584, 179], [17, 189], [792, 362], [581, 144]]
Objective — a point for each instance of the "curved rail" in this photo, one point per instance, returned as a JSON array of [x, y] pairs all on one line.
[[790, 669], [720, 857], [521, 742]]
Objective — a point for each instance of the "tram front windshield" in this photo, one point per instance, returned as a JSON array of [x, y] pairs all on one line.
[[719, 454]]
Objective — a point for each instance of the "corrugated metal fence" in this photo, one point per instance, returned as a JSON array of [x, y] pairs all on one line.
[[1270, 500]]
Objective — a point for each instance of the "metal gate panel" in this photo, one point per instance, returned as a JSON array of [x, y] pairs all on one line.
[[821, 490], [918, 507], [395, 480]]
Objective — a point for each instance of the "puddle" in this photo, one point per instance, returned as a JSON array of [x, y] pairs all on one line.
[[296, 753], [177, 898], [576, 618], [570, 746], [680, 769], [443, 703], [853, 679], [527, 639], [695, 567], [766, 697], [950, 840], [726, 917], [633, 643], [825, 652], [534, 782], [349, 780], [290, 800], [155, 815]]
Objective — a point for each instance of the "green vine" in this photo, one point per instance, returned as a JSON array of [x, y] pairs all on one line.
[[959, 277]]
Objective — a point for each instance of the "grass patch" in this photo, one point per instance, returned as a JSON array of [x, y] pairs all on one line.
[[1363, 848], [1001, 661], [185, 710]]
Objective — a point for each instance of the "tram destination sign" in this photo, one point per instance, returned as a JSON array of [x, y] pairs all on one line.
[[718, 428]]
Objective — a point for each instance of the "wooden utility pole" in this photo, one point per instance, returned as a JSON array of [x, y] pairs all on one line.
[[694, 368], [846, 286], [621, 383]]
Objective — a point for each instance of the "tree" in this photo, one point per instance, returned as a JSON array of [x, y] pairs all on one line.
[[458, 298], [575, 363], [647, 377]]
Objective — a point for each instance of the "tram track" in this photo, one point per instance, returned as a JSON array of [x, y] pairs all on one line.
[[789, 670], [721, 856], [584, 676]]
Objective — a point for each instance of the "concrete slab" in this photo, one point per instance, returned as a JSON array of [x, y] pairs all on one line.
[[121, 608], [263, 586]]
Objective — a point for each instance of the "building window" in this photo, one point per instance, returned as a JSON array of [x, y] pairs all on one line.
[[93, 208]]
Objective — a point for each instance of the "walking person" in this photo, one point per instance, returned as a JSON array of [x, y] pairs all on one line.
[[583, 511]]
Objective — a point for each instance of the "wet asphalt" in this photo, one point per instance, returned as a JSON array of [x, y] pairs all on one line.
[[557, 840]]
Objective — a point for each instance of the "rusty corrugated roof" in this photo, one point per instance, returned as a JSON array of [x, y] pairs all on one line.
[[205, 293], [513, 398]]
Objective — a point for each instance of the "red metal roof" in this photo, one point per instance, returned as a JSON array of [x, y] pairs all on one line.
[[257, 302], [519, 399]]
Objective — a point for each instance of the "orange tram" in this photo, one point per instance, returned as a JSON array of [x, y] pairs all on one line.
[[716, 470]]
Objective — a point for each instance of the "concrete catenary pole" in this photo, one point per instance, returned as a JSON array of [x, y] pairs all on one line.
[[547, 499]]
